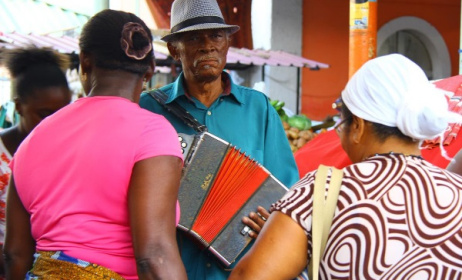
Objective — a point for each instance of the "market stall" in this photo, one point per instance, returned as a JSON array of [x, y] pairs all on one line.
[[238, 59]]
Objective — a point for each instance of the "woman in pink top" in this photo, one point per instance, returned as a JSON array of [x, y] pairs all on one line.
[[93, 189]]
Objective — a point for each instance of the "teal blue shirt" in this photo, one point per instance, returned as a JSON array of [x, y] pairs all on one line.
[[244, 118]]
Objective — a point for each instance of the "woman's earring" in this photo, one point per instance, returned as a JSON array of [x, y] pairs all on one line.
[[83, 76]]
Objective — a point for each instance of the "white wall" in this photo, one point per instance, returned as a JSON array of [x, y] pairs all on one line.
[[277, 25], [261, 22]]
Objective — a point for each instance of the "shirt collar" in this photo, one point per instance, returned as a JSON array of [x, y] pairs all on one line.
[[231, 89]]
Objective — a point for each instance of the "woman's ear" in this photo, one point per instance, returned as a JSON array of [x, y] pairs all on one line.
[[85, 63], [85, 71], [150, 72], [358, 130], [17, 105]]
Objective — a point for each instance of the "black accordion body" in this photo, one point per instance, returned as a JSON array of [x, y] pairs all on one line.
[[219, 186]]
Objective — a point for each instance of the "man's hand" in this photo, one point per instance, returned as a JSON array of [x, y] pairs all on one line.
[[256, 221]]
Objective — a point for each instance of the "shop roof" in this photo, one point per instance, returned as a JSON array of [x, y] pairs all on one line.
[[64, 44], [237, 58], [272, 58], [26, 16]]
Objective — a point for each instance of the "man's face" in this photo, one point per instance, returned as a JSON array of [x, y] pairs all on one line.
[[202, 53]]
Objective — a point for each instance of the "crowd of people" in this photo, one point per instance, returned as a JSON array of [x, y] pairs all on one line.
[[91, 187]]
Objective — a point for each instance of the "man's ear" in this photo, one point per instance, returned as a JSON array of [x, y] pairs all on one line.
[[230, 38], [173, 51]]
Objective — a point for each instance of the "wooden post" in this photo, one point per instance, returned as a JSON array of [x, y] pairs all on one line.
[[363, 33]]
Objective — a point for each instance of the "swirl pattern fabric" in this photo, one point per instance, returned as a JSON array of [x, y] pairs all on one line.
[[397, 217]]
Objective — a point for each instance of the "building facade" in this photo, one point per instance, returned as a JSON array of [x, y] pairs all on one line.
[[426, 31]]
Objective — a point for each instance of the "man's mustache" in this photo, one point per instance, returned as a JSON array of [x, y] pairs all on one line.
[[205, 58]]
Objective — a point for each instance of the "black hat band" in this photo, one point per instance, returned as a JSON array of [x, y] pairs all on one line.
[[196, 21]]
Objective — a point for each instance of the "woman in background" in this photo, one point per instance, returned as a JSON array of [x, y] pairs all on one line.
[[39, 88], [397, 216], [93, 188]]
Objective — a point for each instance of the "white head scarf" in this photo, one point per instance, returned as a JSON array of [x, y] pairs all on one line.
[[394, 91]]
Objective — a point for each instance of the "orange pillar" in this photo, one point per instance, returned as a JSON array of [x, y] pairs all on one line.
[[363, 33]]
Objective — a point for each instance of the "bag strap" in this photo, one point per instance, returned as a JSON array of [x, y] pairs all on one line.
[[177, 110], [323, 214]]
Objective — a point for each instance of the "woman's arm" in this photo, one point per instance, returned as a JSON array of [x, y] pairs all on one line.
[[152, 206], [280, 251], [19, 244]]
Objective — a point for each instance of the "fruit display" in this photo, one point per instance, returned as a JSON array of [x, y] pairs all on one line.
[[298, 128], [297, 138]]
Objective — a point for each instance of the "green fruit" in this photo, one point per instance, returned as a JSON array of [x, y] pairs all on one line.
[[300, 121], [279, 105], [274, 102]]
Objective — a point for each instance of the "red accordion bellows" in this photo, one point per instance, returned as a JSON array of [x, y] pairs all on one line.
[[235, 183]]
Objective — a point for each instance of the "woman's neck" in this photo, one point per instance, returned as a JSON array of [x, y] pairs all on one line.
[[394, 145], [116, 83], [12, 138]]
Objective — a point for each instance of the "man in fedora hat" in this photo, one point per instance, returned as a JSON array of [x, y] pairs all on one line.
[[200, 40]]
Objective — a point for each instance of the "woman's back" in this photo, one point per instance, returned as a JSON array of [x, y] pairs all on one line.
[[397, 217], [78, 201]]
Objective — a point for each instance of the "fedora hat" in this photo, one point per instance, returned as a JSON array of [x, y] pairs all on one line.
[[190, 15]]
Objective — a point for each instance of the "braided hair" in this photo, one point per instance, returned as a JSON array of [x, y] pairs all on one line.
[[118, 41], [35, 68]]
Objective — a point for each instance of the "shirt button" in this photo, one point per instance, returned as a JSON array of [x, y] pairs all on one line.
[[208, 265], [209, 113]]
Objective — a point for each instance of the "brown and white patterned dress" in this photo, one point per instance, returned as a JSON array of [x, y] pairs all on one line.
[[397, 217]]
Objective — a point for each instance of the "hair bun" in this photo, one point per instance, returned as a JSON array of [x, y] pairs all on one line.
[[18, 61], [126, 42]]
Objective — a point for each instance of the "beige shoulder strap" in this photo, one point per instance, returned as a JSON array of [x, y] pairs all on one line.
[[323, 213]]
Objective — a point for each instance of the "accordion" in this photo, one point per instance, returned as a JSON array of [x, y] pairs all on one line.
[[219, 186]]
